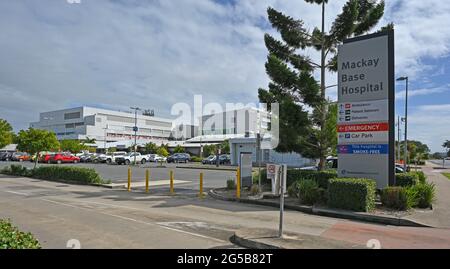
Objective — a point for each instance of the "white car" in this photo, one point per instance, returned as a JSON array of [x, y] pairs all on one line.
[[129, 158], [112, 157], [156, 158]]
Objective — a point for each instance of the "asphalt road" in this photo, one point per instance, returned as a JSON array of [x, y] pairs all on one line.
[[119, 173], [439, 163], [103, 218]]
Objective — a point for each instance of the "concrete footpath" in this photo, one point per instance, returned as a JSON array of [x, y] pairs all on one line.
[[269, 239], [439, 217]]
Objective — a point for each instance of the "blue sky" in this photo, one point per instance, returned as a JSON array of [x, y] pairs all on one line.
[[155, 53]]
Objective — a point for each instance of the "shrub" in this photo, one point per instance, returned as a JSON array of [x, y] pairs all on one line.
[[264, 179], [231, 185], [293, 190], [308, 191], [254, 190], [424, 194], [421, 176], [293, 175], [352, 193], [12, 238], [321, 177], [77, 174], [406, 179], [196, 159], [397, 198]]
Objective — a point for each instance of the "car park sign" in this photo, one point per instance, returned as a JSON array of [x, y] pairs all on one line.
[[366, 98]]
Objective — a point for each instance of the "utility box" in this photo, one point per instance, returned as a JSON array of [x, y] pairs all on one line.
[[245, 166]]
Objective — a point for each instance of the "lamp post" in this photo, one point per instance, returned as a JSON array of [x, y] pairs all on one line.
[[406, 121], [135, 129], [398, 138]]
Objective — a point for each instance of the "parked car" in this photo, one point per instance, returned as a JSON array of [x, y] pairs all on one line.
[[20, 157], [5, 156], [179, 158], [64, 158], [129, 158], [87, 158], [46, 157], [209, 160], [224, 159], [100, 158], [111, 158], [156, 158]]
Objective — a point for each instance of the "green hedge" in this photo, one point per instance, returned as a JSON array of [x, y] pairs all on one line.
[[16, 170], [68, 173], [406, 179], [196, 159], [12, 238], [293, 175], [397, 198], [352, 193]]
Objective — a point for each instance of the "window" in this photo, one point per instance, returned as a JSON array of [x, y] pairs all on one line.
[[73, 115], [120, 119], [158, 123]]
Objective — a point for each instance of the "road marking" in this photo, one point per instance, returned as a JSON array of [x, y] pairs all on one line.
[[138, 221], [18, 193]]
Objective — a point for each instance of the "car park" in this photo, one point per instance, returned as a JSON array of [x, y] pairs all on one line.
[[179, 158], [64, 158]]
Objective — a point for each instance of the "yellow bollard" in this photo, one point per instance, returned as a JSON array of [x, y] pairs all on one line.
[[238, 183], [171, 182], [147, 178], [201, 186], [129, 179]]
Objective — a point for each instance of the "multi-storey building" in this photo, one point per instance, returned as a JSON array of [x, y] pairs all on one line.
[[107, 127]]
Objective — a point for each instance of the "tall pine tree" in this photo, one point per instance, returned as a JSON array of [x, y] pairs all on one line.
[[307, 118]]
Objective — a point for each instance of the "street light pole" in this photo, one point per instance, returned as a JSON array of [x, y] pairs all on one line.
[[398, 138], [135, 129], [406, 122]]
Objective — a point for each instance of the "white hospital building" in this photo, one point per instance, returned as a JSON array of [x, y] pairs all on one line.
[[109, 128]]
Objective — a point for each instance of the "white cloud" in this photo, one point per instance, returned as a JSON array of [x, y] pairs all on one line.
[[158, 52], [401, 95], [431, 125]]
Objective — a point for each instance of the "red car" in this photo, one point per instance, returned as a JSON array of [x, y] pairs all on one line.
[[46, 158], [64, 158]]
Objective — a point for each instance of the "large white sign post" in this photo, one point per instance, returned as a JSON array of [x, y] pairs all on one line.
[[366, 95]]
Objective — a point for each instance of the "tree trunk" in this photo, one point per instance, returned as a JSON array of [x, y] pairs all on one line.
[[323, 106], [36, 160]]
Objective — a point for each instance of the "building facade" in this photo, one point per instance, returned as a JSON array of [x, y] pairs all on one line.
[[245, 121], [109, 128]]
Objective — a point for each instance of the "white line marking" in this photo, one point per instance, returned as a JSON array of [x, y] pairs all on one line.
[[138, 221], [18, 193]]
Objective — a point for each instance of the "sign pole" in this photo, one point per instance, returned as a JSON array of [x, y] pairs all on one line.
[[281, 176]]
